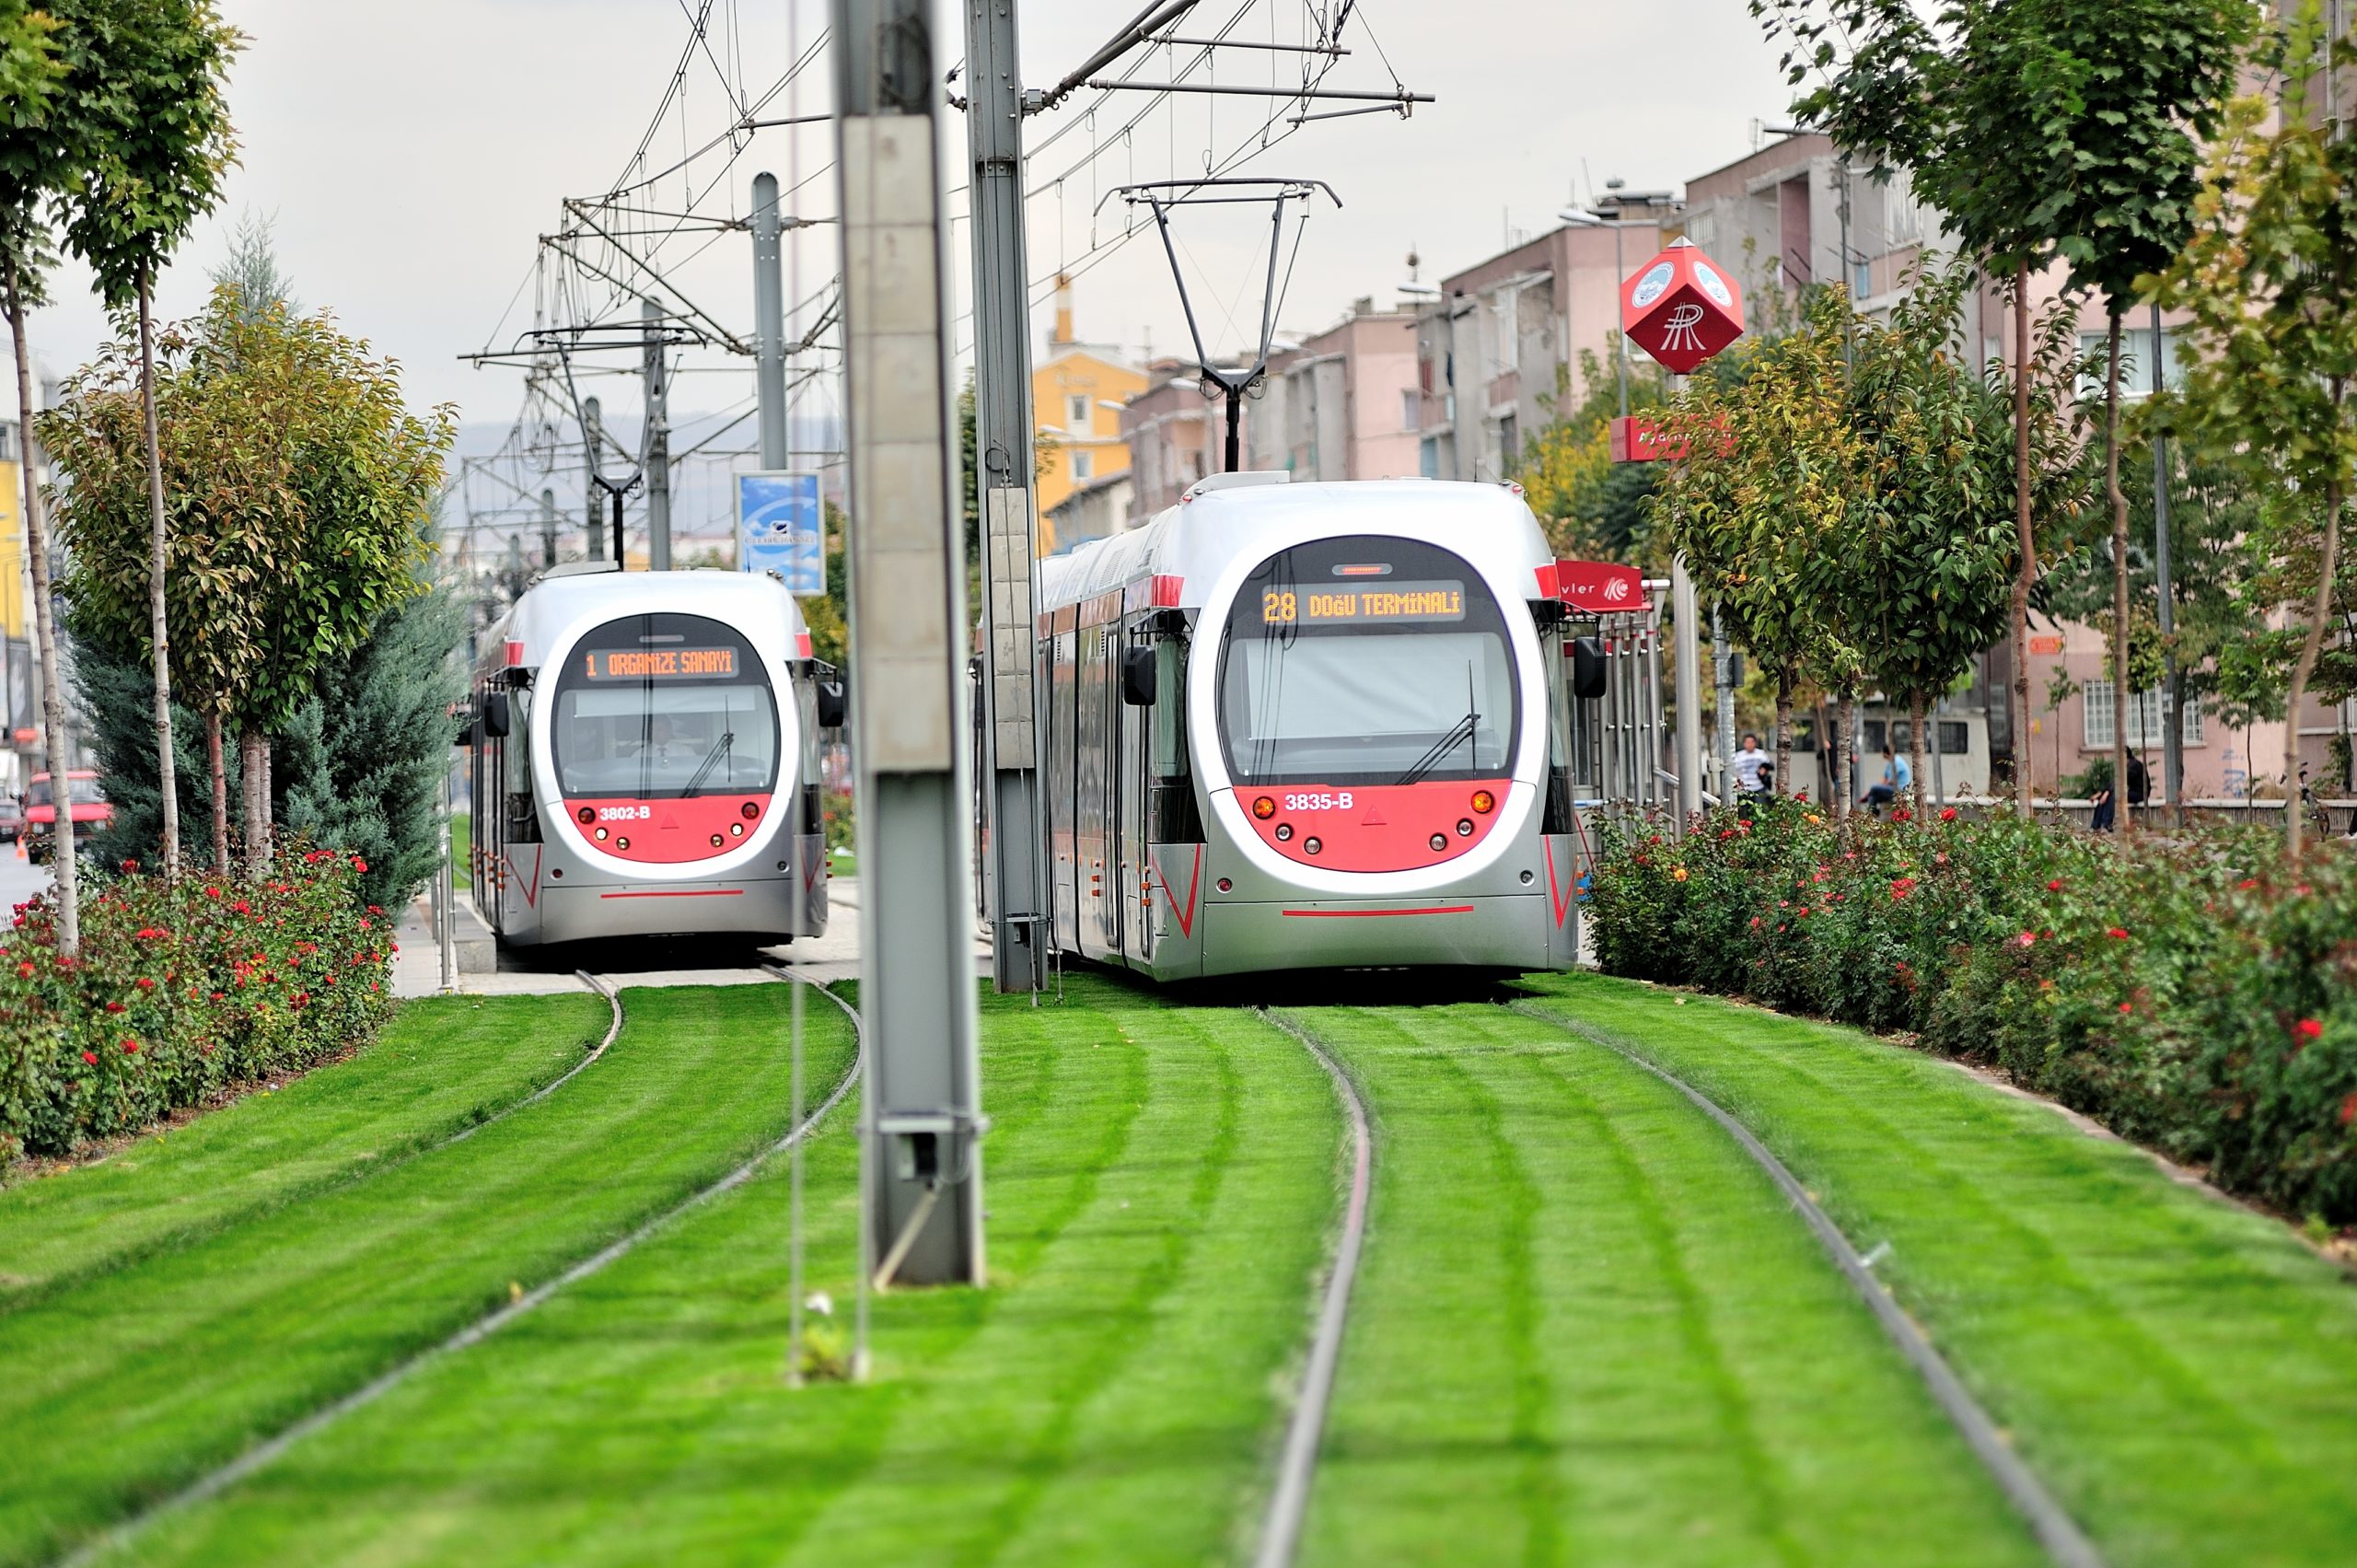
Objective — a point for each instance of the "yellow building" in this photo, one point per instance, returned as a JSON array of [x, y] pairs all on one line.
[[1077, 390]]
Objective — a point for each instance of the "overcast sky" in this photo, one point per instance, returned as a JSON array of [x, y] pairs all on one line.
[[411, 153]]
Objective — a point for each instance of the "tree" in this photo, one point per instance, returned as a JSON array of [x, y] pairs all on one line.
[[2152, 76], [1763, 492], [2271, 280], [300, 485], [159, 142], [1589, 505], [1972, 102]]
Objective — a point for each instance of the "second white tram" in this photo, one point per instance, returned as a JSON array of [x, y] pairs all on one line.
[[1336, 726], [644, 751]]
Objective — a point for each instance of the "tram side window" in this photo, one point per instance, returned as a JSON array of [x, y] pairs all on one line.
[[519, 822], [1174, 818]]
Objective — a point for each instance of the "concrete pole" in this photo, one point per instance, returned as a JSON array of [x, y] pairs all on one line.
[[769, 322], [658, 442], [548, 527], [2172, 727], [1689, 693], [1016, 891], [593, 432], [921, 1125], [446, 891]]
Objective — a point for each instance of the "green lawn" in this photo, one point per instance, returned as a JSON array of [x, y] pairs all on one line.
[[439, 1066], [1590, 1330], [1161, 1184], [2183, 1373], [139, 1379], [462, 838]]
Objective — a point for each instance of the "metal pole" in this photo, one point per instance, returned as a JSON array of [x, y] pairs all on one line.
[[2172, 729], [446, 894], [1016, 891], [658, 442], [1722, 679], [1690, 692], [768, 322], [921, 1123], [1619, 270], [548, 527], [593, 432]]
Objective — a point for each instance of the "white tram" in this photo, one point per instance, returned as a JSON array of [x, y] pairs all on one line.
[[644, 756], [1336, 726]]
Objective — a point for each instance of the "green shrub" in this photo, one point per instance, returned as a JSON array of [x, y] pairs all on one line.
[[2192, 996], [180, 991]]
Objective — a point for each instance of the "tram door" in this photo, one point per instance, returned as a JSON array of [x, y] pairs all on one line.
[[1063, 780], [1131, 723]]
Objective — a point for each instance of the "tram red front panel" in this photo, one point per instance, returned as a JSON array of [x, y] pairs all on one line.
[[1375, 827], [671, 832]]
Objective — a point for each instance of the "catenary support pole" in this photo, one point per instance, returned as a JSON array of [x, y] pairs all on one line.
[[659, 441], [593, 431], [446, 890], [1722, 679], [1689, 693], [921, 1117], [548, 527], [2172, 724], [1016, 891], [768, 322]]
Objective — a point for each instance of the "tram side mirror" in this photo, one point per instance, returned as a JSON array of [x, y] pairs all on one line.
[[834, 704], [1588, 669], [494, 713], [1137, 676]]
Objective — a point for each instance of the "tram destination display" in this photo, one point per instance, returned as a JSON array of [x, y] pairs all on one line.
[[661, 663], [1392, 604]]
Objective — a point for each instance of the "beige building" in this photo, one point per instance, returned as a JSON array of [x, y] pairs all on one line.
[[1077, 390], [1174, 436], [1345, 403]]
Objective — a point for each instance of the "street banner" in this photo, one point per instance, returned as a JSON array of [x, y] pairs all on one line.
[[780, 527]]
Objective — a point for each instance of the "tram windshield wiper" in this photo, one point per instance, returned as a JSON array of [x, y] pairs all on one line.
[[727, 738], [1459, 733]]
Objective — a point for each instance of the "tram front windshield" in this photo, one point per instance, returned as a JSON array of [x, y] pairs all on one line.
[[1369, 661], [664, 707]]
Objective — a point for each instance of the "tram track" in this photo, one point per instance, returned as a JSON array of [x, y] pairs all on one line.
[[2057, 1533], [261, 1455], [1305, 1432]]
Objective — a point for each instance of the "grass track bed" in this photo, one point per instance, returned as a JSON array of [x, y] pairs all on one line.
[[140, 1379], [2181, 1372], [1589, 1330], [441, 1065], [1161, 1183]]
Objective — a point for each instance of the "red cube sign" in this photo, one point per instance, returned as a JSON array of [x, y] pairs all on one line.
[[1639, 440], [1680, 308]]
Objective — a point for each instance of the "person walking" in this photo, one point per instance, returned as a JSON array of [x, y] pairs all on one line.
[[2105, 816], [1896, 776], [1753, 768]]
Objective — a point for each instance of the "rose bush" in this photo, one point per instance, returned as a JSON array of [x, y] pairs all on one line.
[[180, 990], [2193, 994]]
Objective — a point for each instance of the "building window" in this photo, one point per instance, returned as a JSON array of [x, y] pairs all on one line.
[[1083, 463], [2144, 716], [1862, 279], [2135, 363], [1509, 445], [1078, 419], [1410, 409], [1428, 457]]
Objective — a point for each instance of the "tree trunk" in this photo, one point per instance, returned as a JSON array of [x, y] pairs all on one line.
[[1915, 760], [218, 793], [167, 768], [2027, 574], [1784, 731], [53, 702], [2319, 617], [1845, 773], [255, 797], [269, 809], [2122, 813]]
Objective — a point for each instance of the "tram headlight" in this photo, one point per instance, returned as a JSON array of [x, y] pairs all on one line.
[[601, 835], [621, 843], [1312, 845], [588, 814], [1440, 841], [736, 831], [1465, 827], [750, 810], [1285, 831], [1264, 807], [1484, 802], [717, 840]]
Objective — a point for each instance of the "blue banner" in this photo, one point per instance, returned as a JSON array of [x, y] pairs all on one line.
[[782, 528]]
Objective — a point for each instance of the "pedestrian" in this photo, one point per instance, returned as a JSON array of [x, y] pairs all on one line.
[[1896, 776], [1752, 767], [2105, 816]]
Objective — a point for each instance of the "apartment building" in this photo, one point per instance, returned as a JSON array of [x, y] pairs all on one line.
[[1175, 436], [1345, 403]]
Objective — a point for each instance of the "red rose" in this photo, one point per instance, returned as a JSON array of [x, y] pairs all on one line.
[[2027, 938], [25, 969], [2309, 1029], [1947, 814], [361, 865], [146, 984], [131, 1048], [2055, 885], [114, 1006], [2120, 931], [2128, 1006], [242, 907], [91, 1057]]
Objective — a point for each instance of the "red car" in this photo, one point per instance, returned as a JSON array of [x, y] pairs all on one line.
[[91, 808]]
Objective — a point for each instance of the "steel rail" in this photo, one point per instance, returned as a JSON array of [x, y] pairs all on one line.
[[263, 1454], [1297, 1463], [2064, 1542]]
